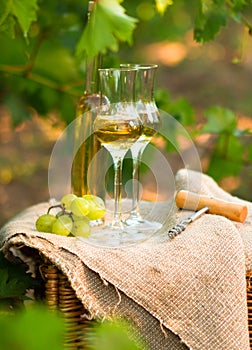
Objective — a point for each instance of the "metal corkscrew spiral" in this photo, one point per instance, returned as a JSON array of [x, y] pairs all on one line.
[[181, 226]]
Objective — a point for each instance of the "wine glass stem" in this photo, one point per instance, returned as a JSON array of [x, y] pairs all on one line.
[[137, 153], [117, 193], [135, 184]]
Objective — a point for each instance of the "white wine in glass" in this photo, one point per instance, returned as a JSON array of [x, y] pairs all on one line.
[[117, 126], [149, 115]]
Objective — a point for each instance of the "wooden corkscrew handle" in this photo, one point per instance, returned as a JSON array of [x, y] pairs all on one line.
[[194, 201]]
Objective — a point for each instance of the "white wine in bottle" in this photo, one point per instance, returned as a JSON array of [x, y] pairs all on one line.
[[87, 162]]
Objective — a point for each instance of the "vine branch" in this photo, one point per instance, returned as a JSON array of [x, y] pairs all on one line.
[[34, 53], [16, 70]]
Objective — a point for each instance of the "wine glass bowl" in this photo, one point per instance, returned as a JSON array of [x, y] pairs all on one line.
[[117, 126], [117, 129], [117, 132], [150, 118]]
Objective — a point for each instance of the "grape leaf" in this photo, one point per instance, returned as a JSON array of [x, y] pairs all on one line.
[[8, 288], [182, 111], [7, 22], [220, 168], [14, 281], [107, 26], [227, 158], [161, 5], [5, 10], [238, 5], [25, 11], [211, 15], [8, 27], [219, 120]]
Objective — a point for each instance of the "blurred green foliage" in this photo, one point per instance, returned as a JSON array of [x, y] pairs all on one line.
[[33, 326], [113, 336], [44, 45], [231, 150], [14, 283], [37, 328]]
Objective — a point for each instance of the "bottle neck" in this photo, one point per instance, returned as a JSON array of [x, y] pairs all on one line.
[[92, 77]]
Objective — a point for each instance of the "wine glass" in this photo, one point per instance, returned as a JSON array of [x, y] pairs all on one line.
[[117, 126], [150, 119]]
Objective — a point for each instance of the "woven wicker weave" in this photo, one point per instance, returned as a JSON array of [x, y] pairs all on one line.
[[60, 297], [249, 300]]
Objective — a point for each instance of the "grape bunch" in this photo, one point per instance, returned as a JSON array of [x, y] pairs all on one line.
[[73, 217]]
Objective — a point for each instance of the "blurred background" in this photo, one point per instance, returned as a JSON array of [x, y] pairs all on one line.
[[42, 80]]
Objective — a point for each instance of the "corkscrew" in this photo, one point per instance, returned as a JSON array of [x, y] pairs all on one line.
[[202, 203], [181, 226]]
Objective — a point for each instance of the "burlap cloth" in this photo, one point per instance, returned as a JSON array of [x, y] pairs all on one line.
[[189, 292]]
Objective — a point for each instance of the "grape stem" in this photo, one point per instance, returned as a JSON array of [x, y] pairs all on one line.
[[55, 206], [62, 212], [65, 212]]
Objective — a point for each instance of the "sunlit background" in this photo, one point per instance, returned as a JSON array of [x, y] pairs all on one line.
[[216, 73]]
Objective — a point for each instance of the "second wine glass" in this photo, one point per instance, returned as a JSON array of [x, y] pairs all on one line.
[[149, 115]]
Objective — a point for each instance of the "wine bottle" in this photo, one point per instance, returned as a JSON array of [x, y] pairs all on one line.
[[86, 160]]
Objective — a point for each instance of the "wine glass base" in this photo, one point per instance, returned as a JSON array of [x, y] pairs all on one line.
[[142, 225], [116, 237]]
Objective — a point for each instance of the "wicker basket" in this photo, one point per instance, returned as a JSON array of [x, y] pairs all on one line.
[[249, 301], [59, 296]]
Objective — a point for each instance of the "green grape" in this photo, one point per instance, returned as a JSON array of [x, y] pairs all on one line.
[[67, 199], [63, 225], [81, 227], [96, 207], [79, 206], [45, 222]]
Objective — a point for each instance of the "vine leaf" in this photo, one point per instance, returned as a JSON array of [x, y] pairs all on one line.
[[161, 5], [182, 111], [25, 11], [230, 162], [211, 15], [227, 155], [219, 120], [108, 25], [5, 10], [14, 281], [238, 5]]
